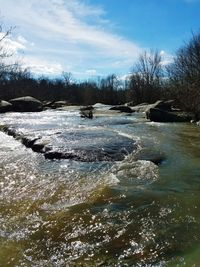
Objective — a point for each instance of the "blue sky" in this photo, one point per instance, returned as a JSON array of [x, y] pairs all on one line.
[[96, 37]]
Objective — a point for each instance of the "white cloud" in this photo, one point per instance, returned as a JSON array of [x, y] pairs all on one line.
[[91, 72], [39, 66], [22, 40], [125, 77], [10, 45], [166, 58], [75, 32]]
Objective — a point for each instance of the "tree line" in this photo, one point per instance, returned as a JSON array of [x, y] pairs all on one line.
[[148, 81]]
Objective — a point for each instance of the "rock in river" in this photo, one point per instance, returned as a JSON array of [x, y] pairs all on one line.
[[5, 106], [26, 104], [161, 104], [79, 145], [125, 109], [158, 115]]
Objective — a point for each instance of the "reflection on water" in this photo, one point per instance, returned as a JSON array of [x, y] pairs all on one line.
[[125, 213]]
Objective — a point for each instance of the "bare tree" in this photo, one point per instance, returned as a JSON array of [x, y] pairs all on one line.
[[146, 78], [67, 76], [109, 86], [184, 75], [4, 52]]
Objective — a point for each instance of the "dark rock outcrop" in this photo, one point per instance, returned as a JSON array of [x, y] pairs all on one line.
[[26, 104], [86, 155], [55, 104], [132, 104], [161, 104], [86, 108], [141, 107], [159, 115], [63, 155], [60, 104], [125, 109], [5, 106], [54, 155], [87, 112], [28, 142], [37, 147], [164, 105], [10, 131], [164, 111]]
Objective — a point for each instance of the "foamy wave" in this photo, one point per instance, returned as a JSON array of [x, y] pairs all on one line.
[[136, 172], [130, 136], [112, 179]]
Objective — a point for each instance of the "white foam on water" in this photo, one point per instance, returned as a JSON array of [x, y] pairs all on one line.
[[135, 172], [111, 180], [7, 143], [130, 136]]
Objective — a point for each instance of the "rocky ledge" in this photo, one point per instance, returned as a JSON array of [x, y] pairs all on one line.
[[164, 111], [113, 147], [21, 104]]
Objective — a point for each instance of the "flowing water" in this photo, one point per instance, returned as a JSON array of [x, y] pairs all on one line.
[[129, 212]]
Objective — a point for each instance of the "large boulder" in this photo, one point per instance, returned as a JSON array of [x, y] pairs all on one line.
[[5, 106], [160, 104], [132, 104], [164, 105], [26, 104], [125, 109], [159, 115], [61, 103], [57, 104]]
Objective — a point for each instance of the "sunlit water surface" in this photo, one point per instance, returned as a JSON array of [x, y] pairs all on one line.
[[125, 213]]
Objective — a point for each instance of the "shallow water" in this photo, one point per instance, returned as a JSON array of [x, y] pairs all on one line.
[[124, 213]]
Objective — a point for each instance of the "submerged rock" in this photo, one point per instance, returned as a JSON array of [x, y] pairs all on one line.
[[82, 146], [157, 157], [85, 156], [26, 104]]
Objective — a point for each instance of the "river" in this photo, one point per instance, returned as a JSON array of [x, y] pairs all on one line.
[[122, 212]]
